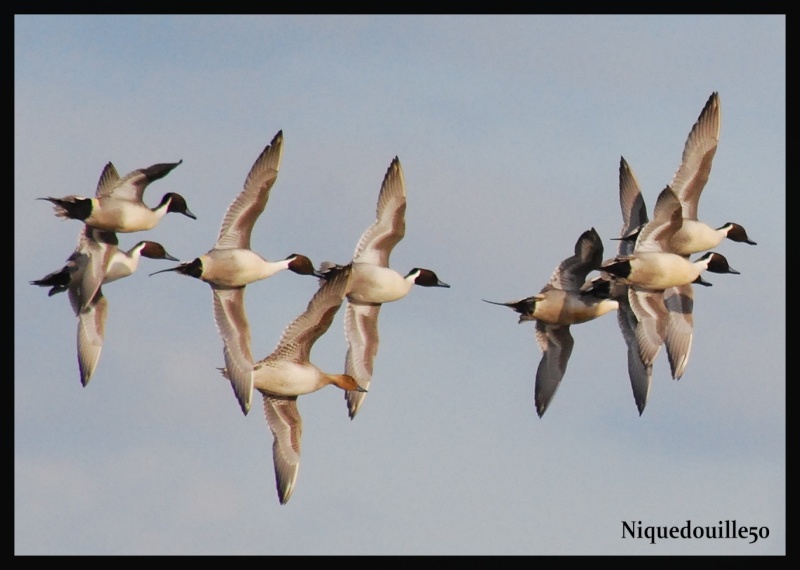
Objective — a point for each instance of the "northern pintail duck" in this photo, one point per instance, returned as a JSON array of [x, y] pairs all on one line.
[[118, 205], [652, 265], [231, 265], [678, 301], [373, 282], [96, 261], [659, 289], [689, 180], [288, 373], [695, 236], [560, 304], [634, 215]]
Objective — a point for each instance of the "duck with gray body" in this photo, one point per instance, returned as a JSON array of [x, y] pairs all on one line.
[[97, 260], [563, 301]]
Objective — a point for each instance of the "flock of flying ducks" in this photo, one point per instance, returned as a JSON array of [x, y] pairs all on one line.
[[649, 283], [365, 283]]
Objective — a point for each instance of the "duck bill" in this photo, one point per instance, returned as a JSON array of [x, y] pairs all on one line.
[[701, 281]]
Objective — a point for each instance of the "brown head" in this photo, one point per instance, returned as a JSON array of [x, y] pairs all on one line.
[[345, 382], [176, 203], [717, 263], [425, 278], [301, 265], [737, 233], [154, 250]]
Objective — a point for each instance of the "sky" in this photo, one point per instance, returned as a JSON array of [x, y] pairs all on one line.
[[509, 129]]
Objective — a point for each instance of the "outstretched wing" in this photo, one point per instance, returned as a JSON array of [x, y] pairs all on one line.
[[556, 343], [376, 244], [286, 425], [298, 338], [241, 216], [91, 332], [231, 320], [361, 330], [571, 273], [679, 332], [132, 185], [698, 153], [109, 178]]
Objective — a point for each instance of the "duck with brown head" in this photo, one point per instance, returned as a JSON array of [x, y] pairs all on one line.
[[118, 205], [374, 283], [231, 265]]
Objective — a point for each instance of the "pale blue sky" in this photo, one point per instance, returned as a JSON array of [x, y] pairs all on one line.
[[509, 130]]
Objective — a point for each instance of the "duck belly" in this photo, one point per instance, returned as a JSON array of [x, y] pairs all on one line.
[[122, 216], [286, 378], [569, 308], [235, 267], [375, 284], [694, 237], [659, 271]]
